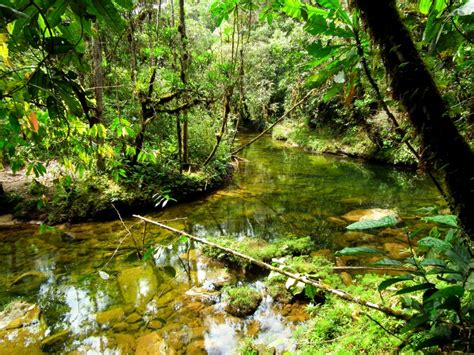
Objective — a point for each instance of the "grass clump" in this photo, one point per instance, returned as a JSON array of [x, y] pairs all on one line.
[[338, 326], [241, 301], [259, 249]]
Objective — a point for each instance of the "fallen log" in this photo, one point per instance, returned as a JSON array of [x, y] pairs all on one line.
[[317, 284]]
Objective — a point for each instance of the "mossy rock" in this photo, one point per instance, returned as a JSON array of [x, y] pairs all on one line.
[[27, 283], [241, 301], [260, 249]]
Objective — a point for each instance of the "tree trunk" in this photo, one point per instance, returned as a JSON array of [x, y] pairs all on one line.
[[184, 74], [98, 76], [442, 145]]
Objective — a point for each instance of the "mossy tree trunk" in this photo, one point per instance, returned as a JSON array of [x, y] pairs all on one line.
[[442, 145]]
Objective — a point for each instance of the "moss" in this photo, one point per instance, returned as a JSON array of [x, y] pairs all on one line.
[[348, 323], [259, 249], [352, 141], [241, 301]]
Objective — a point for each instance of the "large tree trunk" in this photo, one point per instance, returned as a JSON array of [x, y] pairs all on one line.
[[184, 75], [442, 145]]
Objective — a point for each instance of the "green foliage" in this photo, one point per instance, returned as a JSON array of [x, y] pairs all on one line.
[[358, 251], [336, 326], [387, 221]]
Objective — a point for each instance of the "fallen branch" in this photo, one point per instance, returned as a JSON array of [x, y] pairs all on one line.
[[317, 284], [275, 123]]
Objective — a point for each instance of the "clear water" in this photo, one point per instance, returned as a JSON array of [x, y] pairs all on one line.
[[275, 190]]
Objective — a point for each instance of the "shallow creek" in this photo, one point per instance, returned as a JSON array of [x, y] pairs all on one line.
[[275, 190]]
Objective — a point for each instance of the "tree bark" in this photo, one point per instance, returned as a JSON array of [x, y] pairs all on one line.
[[98, 76], [442, 145], [184, 76]]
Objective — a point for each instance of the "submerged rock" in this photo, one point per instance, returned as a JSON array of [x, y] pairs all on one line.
[[203, 295], [351, 238], [28, 282], [18, 315], [138, 285], [21, 329], [110, 316], [369, 214], [396, 250], [151, 344], [54, 341]]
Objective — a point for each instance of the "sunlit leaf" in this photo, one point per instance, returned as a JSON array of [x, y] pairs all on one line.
[[103, 275], [358, 251], [388, 282], [386, 221], [448, 219]]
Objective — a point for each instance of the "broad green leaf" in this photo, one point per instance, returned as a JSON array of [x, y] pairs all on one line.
[[57, 45], [448, 291], [55, 12], [415, 288], [292, 8], [54, 108], [415, 322], [310, 291], [433, 262], [452, 302], [106, 10], [433, 341], [424, 6], [386, 283], [39, 80], [126, 4], [386, 221], [329, 4], [440, 5], [170, 271], [183, 239], [358, 251], [448, 219], [388, 262], [434, 243]]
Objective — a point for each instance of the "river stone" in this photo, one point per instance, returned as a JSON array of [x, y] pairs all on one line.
[[155, 324], [124, 343], [120, 326], [396, 250], [394, 235], [151, 344], [28, 282], [203, 295], [133, 318], [369, 214], [138, 285], [110, 316], [18, 315], [7, 219], [21, 329], [196, 347], [51, 343]]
